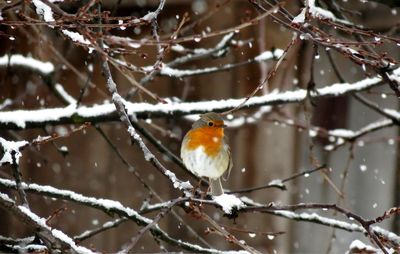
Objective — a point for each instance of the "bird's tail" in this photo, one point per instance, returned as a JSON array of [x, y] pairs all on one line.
[[216, 187]]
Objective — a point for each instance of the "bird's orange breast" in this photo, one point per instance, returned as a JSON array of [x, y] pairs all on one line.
[[209, 138]]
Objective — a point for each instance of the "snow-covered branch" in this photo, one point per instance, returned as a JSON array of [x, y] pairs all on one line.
[[21, 245], [18, 119], [46, 12], [54, 239], [197, 54], [120, 106], [343, 134], [108, 206], [44, 68], [105, 205], [320, 13], [138, 48], [89, 233], [11, 151], [287, 212], [178, 73]]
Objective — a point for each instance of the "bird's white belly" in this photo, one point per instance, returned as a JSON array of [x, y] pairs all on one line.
[[203, 165]]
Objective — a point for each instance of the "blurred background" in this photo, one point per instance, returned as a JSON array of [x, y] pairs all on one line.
[[366, 171]]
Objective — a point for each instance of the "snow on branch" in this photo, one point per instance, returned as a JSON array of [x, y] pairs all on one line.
[[349, 135], [108, 206], [357, 246], [121, 108], [23, 245], [44, 10], [18, 119], [107, 225], [44, 68], [177, 73], [229, 202], [76, 37], [317, 12], [11, 150], [153, 15], [316, 218], [248, 205], [53, 238], [66, 96], [6, 103], [116, 207]]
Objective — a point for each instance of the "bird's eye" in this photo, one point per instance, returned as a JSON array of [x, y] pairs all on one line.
[[210, 124]]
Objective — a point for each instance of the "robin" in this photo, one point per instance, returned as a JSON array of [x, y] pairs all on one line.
[[205, 151]]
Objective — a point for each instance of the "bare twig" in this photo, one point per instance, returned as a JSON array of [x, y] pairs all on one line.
[[143, 230], [279, 183]]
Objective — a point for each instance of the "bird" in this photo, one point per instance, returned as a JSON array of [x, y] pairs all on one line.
[[205, 151]]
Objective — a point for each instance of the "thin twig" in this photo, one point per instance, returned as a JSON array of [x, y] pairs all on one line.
[[143, 230], [278, 183]]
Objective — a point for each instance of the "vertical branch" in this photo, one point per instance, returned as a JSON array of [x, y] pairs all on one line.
[[17, 175], [148, 155], [308, 104], [83, 89], [308, 109], [261, 42], [340, 196], [124, 117], [154, 30], [396, 192]]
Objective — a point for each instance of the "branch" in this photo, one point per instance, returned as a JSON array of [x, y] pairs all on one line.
[[178, 73], [18, 119], [43, 68], [218, 50], [278, 183], [109, 207], [286, 212], [384, 112], [89, 233], [159, 216], [53, 238], [120, 105], [196, 37], [22, 245]]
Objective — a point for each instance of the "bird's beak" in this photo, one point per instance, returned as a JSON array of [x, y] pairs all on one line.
[[224, 126]]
